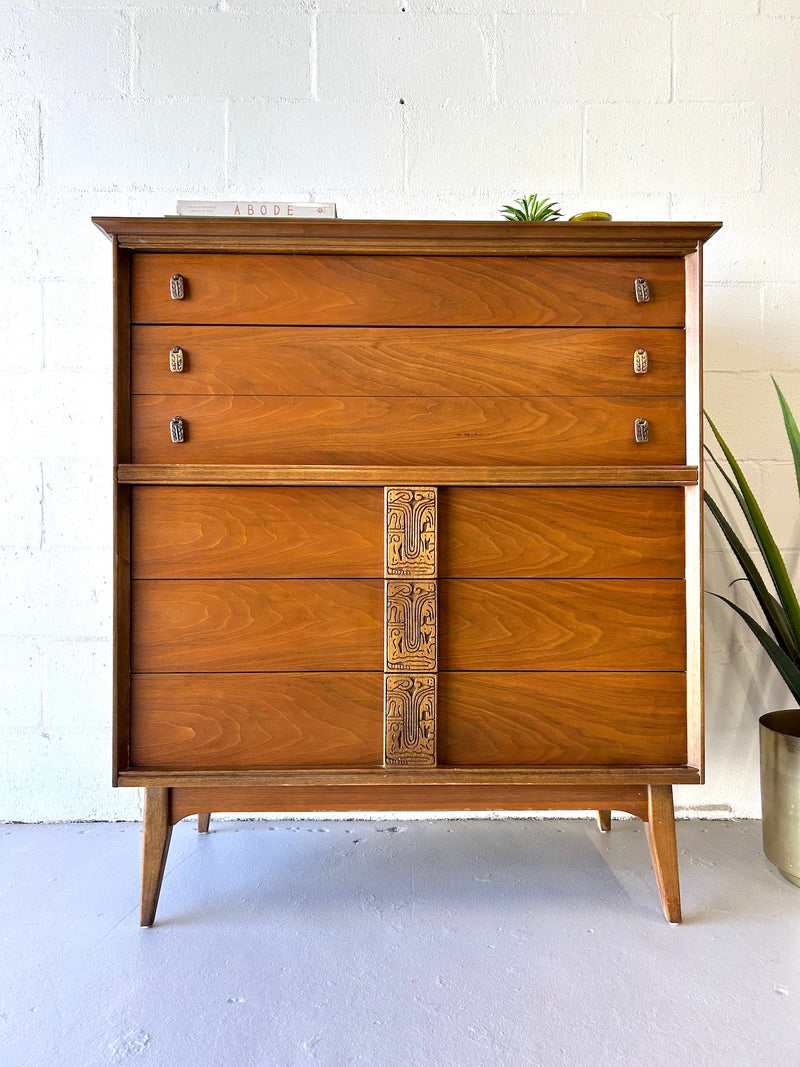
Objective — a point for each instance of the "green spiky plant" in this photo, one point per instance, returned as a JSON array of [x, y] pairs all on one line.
[[531, 209], [769, 580]]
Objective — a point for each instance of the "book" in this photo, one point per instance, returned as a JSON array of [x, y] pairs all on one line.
[[256, 209]]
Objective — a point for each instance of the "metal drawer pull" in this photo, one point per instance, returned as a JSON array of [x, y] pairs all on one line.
[[642, 290], [640, 361], [177, 289], [176, 359], [641, 431], [176, 431]]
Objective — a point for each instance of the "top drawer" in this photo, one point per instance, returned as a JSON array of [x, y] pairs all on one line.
[[323, 290]]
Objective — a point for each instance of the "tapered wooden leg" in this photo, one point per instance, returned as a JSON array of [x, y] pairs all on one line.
[[155, 845], [660, 828], [203, 820], [603, 821]]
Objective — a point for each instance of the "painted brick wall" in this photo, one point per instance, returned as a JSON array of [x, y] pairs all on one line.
[[681, 109]]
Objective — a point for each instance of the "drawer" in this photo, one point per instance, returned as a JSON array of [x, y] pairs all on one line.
[[575, 532], [280, 625], [218, 721], [550, 625], [324, 532], [322, 290], [330, 360], [408, 430], [561, 719], [229, 721], [257, 532]]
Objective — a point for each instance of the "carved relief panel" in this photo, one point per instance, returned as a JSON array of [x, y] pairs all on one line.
[[411, 533], [410, 628]]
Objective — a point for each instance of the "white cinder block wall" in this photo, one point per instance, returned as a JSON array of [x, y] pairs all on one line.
[[673, 109]]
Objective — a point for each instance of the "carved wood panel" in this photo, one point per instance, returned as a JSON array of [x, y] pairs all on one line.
[[410, 679], [411, 533], [410, 720], [410, 626]]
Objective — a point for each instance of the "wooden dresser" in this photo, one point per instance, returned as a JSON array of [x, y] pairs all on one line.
[[408, 517]]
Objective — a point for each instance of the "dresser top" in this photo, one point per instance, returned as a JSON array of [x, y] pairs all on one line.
[[406, 237]]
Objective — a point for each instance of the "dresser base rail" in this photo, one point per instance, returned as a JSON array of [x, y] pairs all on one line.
[[164, 806]]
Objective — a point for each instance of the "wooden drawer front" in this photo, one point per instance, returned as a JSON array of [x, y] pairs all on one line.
[[542, 624], [257, 532], [331, 361], [561, 533], [308, 290], [416, 431], [291, 625], [216, 721], [559, 719]]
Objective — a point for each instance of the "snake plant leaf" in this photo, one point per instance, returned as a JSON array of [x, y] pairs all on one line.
[[764, 539], [531, 209], [772, 608], [791, 431], [731, 483], [788, 670]]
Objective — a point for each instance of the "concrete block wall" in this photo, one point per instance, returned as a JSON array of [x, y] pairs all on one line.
[[677, 109]]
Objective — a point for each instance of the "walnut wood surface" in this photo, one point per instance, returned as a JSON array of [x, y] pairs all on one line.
[[156, 834], [561, 532], [479, 474], [474, 777], [330, 360], [122, 515], [252, 532], [407, 430], [319, 290], [408, 236], [188, 800], [544, 624], [547, 719], [209, 721], [279, 625], [661, 838]]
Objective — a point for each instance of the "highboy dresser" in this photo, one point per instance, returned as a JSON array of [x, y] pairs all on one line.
[[408, 517]]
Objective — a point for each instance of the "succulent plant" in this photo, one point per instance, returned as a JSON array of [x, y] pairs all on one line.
[[531, 209]]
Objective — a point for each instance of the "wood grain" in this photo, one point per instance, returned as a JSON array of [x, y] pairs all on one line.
[[546, 719], [544, 624], [156, 835], [561, 532], [319, 290], [329, 360], [408, 236], [252, 532], [122, 514], [407, 430], [479, 474], [661, 839], [280, 625], [474, 777], [209, 721], [188, 800]]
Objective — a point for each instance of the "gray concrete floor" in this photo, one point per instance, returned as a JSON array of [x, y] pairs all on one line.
[[463, 943]]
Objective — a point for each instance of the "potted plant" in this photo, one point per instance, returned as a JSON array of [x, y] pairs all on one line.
[[777, 600]]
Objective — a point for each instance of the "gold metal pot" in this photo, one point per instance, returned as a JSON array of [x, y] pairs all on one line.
[[780, 790]]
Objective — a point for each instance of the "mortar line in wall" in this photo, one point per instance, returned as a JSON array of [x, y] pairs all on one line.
[[404, 147], [761, 143], [226, 143], [492, 58], [584, 141], [134, 52], [40, 146], [41, 504], [672, 71], [312, 57]]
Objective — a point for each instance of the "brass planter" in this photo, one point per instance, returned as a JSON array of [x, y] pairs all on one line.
[[780, 790]]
